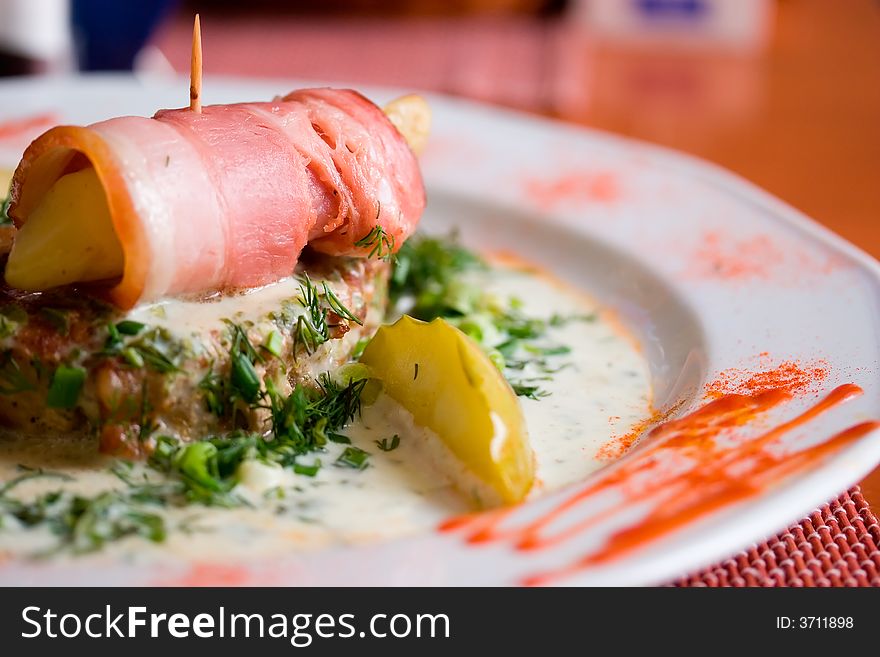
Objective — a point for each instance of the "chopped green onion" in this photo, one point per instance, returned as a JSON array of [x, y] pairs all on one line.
[[130, 327], [338, 438], [198, 462], [273, 344], [155, 358], [558, 350], [67, 382], [133, 357], [163, 453], [307, 470], [351, 372], [353, 457], [359, 348], [244, 378], [114, 339]]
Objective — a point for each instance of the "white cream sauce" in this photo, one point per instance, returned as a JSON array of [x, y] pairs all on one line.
[[602, 392], [186, 318]]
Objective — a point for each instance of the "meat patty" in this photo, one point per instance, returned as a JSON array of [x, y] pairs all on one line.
[[70, 364]]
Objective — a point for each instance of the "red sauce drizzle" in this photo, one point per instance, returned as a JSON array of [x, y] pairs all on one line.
[[683, 470]]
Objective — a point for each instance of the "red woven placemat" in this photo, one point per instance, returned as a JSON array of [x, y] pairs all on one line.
[[837, 545]]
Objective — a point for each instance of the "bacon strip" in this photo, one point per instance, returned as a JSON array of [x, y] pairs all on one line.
[[227, 198]]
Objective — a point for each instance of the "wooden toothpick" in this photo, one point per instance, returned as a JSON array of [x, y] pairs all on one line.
[[195, 72]]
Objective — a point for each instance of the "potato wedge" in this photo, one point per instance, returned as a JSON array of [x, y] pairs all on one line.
[[68, 238], [450, 386], [411, 115]]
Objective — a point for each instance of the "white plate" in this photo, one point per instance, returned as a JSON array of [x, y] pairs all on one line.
[[726, 287]]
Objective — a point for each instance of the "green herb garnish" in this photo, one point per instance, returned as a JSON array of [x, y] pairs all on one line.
[[220, 393], [130, 327], [215, 392], [12, 379], [274, 343], [155, 356], [64, 389], [528, 390], [11, 317], [146, 423], [57, 318], [132, 356], [114, 337], [387, 446], [380, 243], [427, 276], [312, 328], [307, 470], [85, 524], [336, 306], [302, 422], [244, 378], [359, 347], [31, 473], [155, 348], [353, 457]]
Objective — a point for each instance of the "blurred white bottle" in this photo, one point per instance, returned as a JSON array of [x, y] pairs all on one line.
[[37, 30], [743, 25]]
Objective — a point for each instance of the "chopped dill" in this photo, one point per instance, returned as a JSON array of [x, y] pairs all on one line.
[[301, 422], [380, 243], [155, 348], [529, 391], [28, 474], [313, 327], [12, 378], [85, 524], [336, 306], [387, 445]]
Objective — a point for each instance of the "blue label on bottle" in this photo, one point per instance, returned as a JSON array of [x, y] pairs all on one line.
[[672, 9]]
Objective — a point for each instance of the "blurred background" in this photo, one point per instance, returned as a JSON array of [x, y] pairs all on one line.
[[784, 92]]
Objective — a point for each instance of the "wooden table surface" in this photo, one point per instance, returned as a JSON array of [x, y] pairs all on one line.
[[801, 118]]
